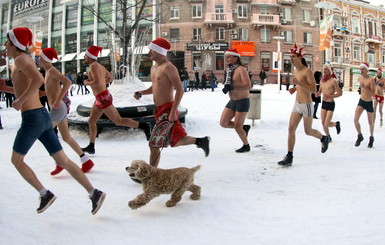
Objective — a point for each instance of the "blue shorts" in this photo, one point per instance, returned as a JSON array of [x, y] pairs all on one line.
[[241, 105], [36, 124], [367, 105]]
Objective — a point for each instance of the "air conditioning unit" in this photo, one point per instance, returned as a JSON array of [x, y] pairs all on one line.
[[347, 49], [234, 36], [234, 32], [283, 21], [164, 34], [234, 11]]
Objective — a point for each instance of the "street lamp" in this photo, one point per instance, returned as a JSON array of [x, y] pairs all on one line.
[[279, 38]]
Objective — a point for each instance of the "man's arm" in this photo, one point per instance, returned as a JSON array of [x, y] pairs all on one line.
[[66, 85]]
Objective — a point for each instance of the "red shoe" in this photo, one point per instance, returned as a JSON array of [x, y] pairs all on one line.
[[57, 170], [87, 166]]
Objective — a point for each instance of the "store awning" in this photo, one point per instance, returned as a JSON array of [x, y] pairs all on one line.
[[2, 68], [105, 53], [81, 56], [68, 57]]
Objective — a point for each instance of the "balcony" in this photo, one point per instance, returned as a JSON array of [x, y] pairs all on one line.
[[219, 19], [286, 2], [197, 1], [272, 3], [265, 19]]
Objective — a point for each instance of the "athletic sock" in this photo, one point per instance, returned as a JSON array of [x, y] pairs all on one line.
[[43, 192], [84, 158]]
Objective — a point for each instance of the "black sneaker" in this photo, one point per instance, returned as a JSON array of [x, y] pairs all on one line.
[[204, 143], [46, 201], [325, 143], [244, 148], [97, 200], [371, 140], [89, 149], [360, 138], [287, 161], [246, 128], [338, 127]]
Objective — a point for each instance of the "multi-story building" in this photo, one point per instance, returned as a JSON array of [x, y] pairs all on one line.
[[200, 31], [358, 35]]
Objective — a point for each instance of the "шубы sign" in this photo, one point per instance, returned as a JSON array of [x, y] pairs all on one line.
[[27, 6]]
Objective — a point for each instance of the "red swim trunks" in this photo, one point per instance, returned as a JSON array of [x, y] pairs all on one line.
[[161, 114], [380, 99], [103, 100]]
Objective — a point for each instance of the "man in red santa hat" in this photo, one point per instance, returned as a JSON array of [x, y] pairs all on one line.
[[165, 80], [329, 89], [365, 103], [98, 78], [55, 93], [36, 123], [378, 95], [303, 106]]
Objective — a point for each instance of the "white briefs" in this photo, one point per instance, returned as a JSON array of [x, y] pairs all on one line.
[[305, 110]]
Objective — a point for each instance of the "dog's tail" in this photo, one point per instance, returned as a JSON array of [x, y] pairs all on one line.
[[195, 169]]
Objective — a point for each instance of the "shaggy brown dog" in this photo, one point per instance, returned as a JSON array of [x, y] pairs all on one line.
[[158, 181]]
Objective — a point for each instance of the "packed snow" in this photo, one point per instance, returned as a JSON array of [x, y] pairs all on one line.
[[330, 198]]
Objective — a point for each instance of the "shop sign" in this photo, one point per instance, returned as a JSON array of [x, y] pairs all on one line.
[[28, 6], [244, 48], [207, 46], [358, 71]]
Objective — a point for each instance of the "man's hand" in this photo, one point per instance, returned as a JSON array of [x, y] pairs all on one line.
[[86, 82], [292, 90], [137, 95], [172, 117], [17, 104], [56, 105]]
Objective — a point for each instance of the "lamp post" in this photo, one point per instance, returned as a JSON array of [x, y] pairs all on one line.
[[279, 38]]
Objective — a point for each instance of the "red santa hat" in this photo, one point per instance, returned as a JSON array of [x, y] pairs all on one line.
[[160, 46], [93, 52], [330, 68], [296, 50], [379, 70], [232, 52], [48, 54], [21, 37], [365, 65]]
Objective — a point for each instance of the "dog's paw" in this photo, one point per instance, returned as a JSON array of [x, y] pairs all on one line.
[[195, 196], [170, 203], [133, 205]]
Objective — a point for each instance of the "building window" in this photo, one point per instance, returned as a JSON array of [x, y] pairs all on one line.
[[307, 15], [86, 40], [286, 63], [103, 39], [219, 10], [197, 34], [197, 11], [288, 36], [265, 35], [72, 16], [265, 9], [105, 10], [355, 25], [356, 52], [337, 50], [174, 13], [5, 15], [307, 39], [70, 46], [286, 12], [174, 35], [219, 61], [371, 58], [370, 28], [383, 55], [197, 60], [243, 34], [56, 21], [220, 33], [383, 30], [242, 11], [87, 17], [265, 60]]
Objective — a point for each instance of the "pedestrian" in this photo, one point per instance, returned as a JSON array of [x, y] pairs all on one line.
[[98, 78], [55, 93], [316, 100], [237, 84], [204, 81], [191, 78], [329, 90], [184, 78], [262, 77], [213, 81], [85, 77], [36, 123], [287, 81], [303, 108], [9, 97], [79, 82], [367, 86], [164, 78], [197, 80], [68, 75], [378, 95]]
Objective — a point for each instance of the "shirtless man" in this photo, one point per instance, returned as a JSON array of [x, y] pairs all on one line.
[[365, 103], [237, 84], [378, 95], [303, 107], [55, 93], [165, 79], [329, 90], [98, 78], [36, 123]]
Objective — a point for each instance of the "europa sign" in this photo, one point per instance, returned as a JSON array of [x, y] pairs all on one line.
[[207, 46], [28, 6]]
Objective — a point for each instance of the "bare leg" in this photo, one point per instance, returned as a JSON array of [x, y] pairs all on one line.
[[295, 118], [357, 116]]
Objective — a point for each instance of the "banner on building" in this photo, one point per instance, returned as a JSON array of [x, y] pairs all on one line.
[[277, 62], [244, 48], [326, 32], [37, 43]]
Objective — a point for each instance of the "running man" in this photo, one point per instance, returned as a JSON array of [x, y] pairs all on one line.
[[36, 123], [303, 106], [365, 103], [378, 95], [165, 79], [55, 93], [329, 90], [98, 78], [237, 84]]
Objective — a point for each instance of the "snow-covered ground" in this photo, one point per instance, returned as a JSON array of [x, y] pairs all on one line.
[[331, 198]]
